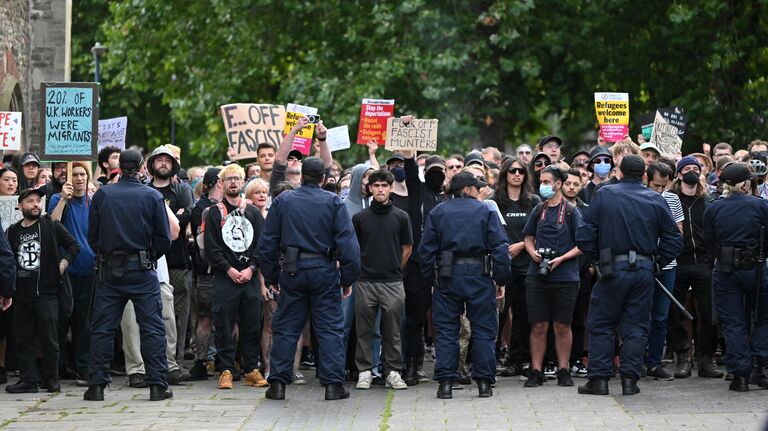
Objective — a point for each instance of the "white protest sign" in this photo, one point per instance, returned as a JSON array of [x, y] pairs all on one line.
[[665, 136], [338, 138], [112, 132], [10, 130], [9, 210], [418, 135]]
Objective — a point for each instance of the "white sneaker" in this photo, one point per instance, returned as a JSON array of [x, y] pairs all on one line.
[[395, 381], [364, 380], [299, 379]]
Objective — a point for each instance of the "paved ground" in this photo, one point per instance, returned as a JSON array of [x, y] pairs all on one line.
[[694, 403]]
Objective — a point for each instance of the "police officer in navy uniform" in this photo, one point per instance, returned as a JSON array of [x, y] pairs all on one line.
[[628, 232], [465, 240], [732, 232], [128, 230], [306, 232]]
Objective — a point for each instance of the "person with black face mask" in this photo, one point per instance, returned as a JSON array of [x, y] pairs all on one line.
[[423, 197], [694, 271], [399, 195]]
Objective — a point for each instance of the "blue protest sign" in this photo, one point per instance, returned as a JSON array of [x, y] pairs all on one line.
[[69, 121]]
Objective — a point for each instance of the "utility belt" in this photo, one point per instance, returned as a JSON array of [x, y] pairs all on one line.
[[737, 258], [292, 256], [118, 261], [448, 260], [608, 260]]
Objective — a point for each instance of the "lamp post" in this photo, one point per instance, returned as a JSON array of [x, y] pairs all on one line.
[[173, 119], [98, 50]]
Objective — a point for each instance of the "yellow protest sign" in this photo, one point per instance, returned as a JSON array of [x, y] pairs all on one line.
[[612, 111]]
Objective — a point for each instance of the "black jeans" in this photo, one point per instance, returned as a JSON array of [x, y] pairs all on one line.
[[37, 319], [237, 304], [699, 278], [520, 336], [418, 297]]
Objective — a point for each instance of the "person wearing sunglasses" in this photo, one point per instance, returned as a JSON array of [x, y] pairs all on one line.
[[524, 153], [453, 165], [539, 162], [600, 164]]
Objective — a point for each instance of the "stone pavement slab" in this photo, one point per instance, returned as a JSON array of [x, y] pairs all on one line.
[[693, 403]]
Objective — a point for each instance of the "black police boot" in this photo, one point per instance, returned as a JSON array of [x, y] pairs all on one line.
[[159, 393], [707, 368], [445, 389], [594, 387], [22, 388], [739, 384], [136, 380], [51, 386], [411, 373], [629, 386], [276, 391], [336, 391], [758, 377], [683, 369], [94, 393], [484, 388]]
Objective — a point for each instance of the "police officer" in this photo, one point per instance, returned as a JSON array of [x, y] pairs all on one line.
[[128, 229], [309, 228], [734, 232], [628, 229], [465, 239]]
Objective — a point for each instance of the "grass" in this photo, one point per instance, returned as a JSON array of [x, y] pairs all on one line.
[[384, 424]]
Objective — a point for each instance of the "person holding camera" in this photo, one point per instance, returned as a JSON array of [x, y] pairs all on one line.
[[552, 282]]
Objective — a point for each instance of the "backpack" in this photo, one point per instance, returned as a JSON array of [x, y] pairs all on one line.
[[200, 237]]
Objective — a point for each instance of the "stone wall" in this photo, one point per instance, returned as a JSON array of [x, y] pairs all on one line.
[[14, 54]]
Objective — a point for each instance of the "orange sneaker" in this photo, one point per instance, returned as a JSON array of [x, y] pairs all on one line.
[[254, 378], [225, 380]]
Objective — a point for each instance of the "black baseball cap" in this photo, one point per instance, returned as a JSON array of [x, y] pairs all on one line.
[[29, 158], [548, 138], [211, 177], [296, 153], [26, 192], [474, 158], [734, 173], [395, 157], [465, 179], [131, 160], [313, 166]]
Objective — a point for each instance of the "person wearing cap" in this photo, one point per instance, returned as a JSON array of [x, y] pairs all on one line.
[[550, 145], [538, 163], [128, 230], [627, 231], [163, 166], [694, 273], [307, 250], [423, 196], [552, 281], [71, 207], [203, 292], [650, 153], [230, 242], [465, 238], [35, 241], [524, 153], [600, 164], [399, 194], [30, 164], [474, 158], [581, 158], [734, 231], [108, 160]]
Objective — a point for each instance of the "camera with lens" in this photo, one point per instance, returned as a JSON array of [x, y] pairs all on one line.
[[546, 254]]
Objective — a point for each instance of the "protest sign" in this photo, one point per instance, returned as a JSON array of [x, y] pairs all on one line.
[[10, 212], [646, 124], [303, 139], [612, 111], [10, 130], [418, 135], [69, 121], [676, 117], [112, 132], [665, 136], [338, 138], [248, 125], [373, 120]]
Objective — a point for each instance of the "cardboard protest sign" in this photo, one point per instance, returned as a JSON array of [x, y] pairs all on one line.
[[112, 132], [69, 121], [248, 125], [418, 135], [338, 138], [612, 111], [676, 117], [303, 139], [10, 130], [373, 120], [10, 212], [666, 136]]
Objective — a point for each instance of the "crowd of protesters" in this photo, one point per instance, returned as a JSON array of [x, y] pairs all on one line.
[[218, 307]]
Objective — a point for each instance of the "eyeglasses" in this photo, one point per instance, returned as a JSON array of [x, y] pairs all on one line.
[[518, 171], [232, 179], [759, 155], [550, 146], [523, 152], [542, 163], [451, 167]]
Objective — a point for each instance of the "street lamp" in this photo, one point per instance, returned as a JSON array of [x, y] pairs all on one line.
[[98, 50], [173, 119]]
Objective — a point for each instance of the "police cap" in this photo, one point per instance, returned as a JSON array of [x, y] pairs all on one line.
[[465, 179], [313, 167], [632, 166], [130, 160], [734, 173]]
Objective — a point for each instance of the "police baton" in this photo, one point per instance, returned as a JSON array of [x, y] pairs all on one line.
[[674, 300]]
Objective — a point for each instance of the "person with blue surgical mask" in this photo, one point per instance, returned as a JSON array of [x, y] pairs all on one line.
[[600, 164]]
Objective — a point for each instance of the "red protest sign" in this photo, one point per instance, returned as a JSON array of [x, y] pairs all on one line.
[[373, 120]]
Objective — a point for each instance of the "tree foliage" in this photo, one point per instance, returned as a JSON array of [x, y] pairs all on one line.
[[496, 73]]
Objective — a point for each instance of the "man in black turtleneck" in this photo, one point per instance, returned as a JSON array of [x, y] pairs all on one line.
[[384, 233]]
